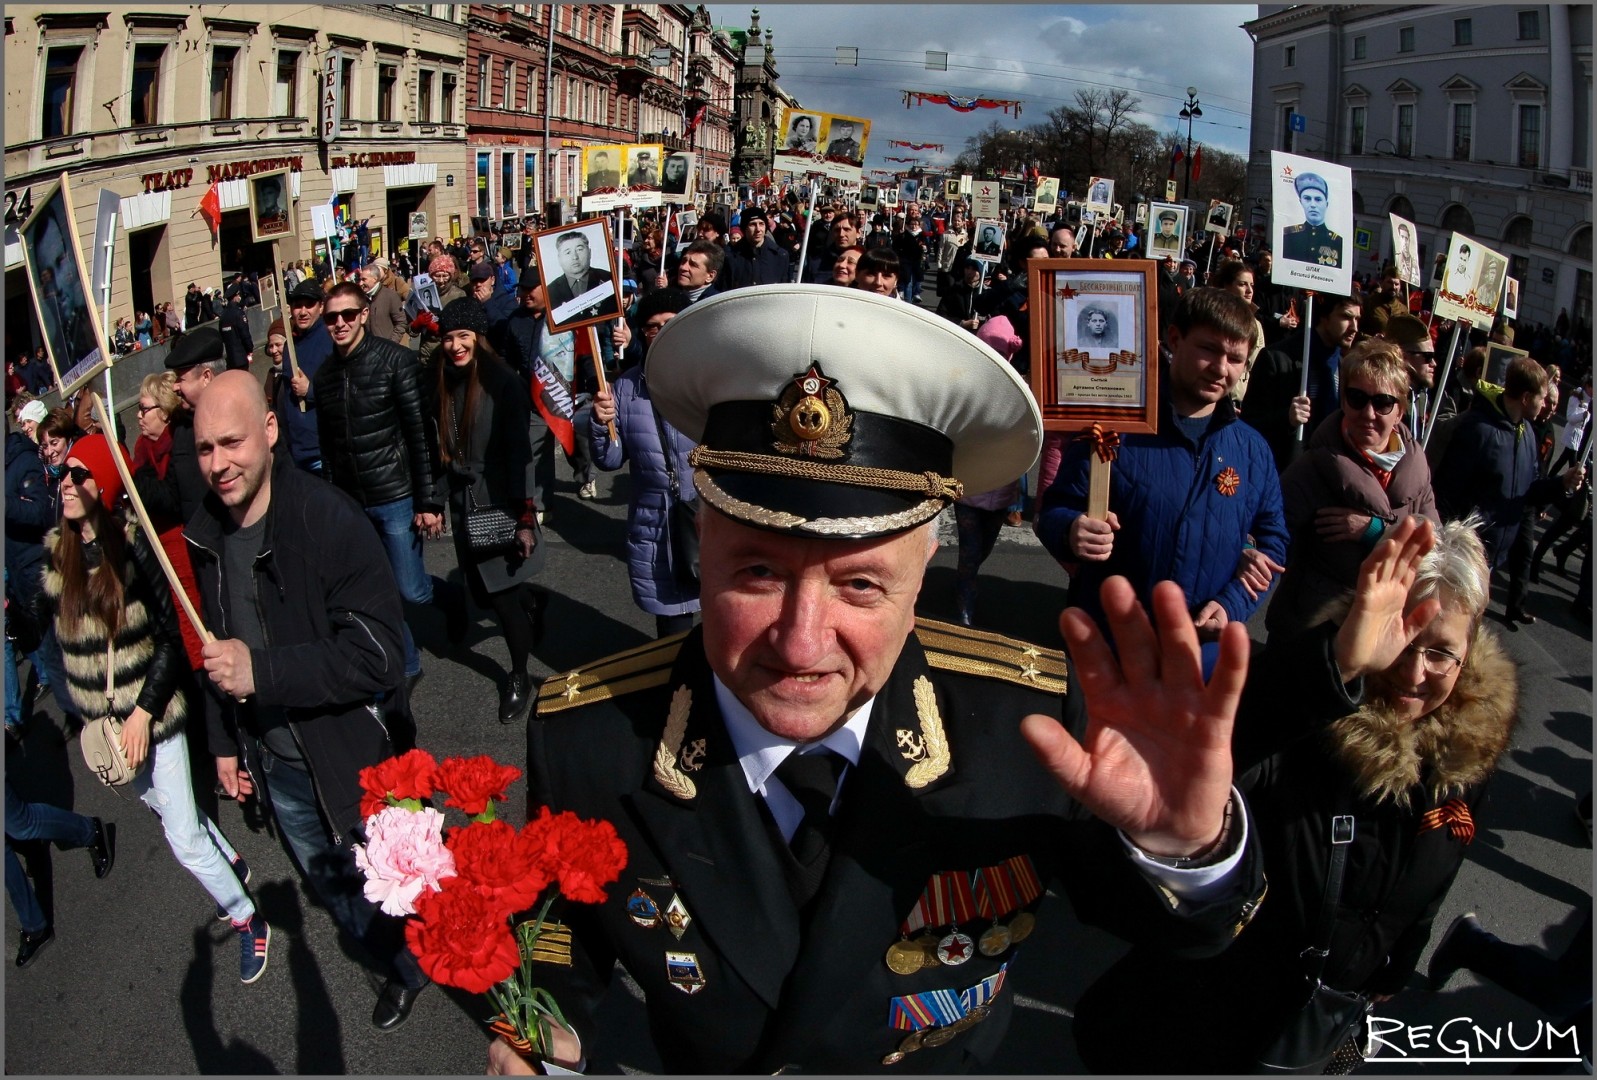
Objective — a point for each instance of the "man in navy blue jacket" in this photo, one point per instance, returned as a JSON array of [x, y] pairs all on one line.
[[1199, 503], [312, 347]]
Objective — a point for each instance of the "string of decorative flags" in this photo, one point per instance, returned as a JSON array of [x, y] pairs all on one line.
[[959, 104], [911, 160], [914, 146]]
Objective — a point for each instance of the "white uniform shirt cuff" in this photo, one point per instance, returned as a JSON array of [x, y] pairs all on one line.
[[1199, 883]]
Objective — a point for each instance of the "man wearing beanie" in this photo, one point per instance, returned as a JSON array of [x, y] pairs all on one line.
[[756, 259]]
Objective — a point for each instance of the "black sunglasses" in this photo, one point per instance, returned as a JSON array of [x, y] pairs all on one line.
[[1384, 403], [348, 315], [79, 474]]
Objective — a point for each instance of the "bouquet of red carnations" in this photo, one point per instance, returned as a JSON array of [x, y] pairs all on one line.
[[463, 887]]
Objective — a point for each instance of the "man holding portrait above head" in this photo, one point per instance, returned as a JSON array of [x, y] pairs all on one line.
[[798, 779], [1312, 241]]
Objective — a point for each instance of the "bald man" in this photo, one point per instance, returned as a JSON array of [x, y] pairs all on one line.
[[299, 591]]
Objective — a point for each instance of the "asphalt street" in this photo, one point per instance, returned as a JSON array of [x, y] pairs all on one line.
[[142, 978]]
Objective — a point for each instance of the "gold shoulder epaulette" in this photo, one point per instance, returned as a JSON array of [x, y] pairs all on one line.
[[623, 673], [975, 652]]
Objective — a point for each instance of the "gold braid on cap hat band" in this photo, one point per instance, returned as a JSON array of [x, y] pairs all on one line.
[[930, 484]]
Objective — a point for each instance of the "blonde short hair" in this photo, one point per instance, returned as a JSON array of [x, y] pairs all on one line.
[[160, 387], [1381, 362]]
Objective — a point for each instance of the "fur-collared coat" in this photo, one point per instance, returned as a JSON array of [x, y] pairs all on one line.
[[147, 660], [1414, 789]]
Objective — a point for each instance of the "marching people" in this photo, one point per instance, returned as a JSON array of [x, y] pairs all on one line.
[[308, 624], [1276, 408], [118, 630], [768, 733], [664, 584], [486, 455], [1235, 276]]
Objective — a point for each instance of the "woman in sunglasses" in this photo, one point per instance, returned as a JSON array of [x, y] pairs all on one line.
[[1362, 473], [114, 619]]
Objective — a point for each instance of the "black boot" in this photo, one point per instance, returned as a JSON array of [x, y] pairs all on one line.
[[514, 698]]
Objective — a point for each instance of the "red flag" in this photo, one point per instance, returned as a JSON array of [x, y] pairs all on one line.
[[211, 209], [695, 121], [1197, 163]]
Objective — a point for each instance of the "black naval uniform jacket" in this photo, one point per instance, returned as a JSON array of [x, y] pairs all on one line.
[[777, 993], [1311, 244]]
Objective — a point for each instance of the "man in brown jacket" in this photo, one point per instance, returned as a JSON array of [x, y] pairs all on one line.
[[387, 309]]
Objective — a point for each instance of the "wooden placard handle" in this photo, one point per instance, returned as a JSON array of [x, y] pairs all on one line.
[[598, 371], [1098, 489]]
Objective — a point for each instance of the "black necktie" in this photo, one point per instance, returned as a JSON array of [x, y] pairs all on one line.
[[812, 780]]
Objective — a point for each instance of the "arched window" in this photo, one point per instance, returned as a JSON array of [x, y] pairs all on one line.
[[1517, 233], [1401, 207], [1580, 244], [1457, 219], [1358, 203]]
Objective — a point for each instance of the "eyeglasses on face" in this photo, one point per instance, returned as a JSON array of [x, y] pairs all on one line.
[[1437, 661], [341, 315], [79, 475], [1384, 403], [147, 408]]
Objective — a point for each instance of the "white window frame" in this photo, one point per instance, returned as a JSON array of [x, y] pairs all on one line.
[[1516, 103], [296, 92], [508, 84], [79, 124], [241, 46], [163, 89], [1461, 92], [532, 88]]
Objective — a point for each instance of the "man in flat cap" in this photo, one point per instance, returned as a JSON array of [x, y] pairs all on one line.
[[197, 357], [840, 818], [1311, 241]]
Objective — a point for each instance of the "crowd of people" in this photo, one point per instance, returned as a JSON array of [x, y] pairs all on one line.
[[781, 515]]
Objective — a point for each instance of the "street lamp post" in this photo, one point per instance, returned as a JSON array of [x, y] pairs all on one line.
[[1190, 112]]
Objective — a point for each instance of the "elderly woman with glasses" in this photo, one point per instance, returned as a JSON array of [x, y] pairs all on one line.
[[1362, 473], [1393, 782]]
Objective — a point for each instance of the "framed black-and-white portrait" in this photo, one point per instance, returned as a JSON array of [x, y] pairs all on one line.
[[988, 245], [1511, 299], [1094, 344], [869, 197], [677, 178], [1167, 231], [575, 264], [271, 207], [73, 339]]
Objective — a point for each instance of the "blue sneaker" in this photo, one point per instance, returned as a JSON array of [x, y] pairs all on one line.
[[254, 939], [242, 870]]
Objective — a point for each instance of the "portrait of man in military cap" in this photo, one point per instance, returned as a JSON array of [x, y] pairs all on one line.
[[1312, 241], [843, 141], [1168, 230], [645, 168], [1405, 252]]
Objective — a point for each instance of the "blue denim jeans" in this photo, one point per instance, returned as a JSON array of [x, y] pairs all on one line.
[[37, 821], [403, 545], [330, 868]]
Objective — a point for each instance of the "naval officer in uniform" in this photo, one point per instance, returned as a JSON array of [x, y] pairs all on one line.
[[1312, 242], [840, 818]]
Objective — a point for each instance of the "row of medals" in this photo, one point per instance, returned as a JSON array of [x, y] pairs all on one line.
[[936, 1036], [907, 956]]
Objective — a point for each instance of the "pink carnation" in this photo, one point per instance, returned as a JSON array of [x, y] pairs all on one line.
[[404, 853]]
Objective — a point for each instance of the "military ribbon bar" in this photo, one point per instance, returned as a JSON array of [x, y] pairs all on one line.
[[935, 1008], [986, 990], [1025, 878]]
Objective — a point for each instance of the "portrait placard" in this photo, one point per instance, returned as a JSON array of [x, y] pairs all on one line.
[[821, 143], [575, 267], [951, 189], [679, 178], [984, 199], [1511, 299], [1472, 282], [1047, 197], [687, 228], [1406, 250], [1498, 357], [889, 197], [908, 191], [271, 208], [988, 246], [601, 176], [1311, 223], [73, 338], [1142, 213], [1100, 194], [1167, 231], [1094, 344], [1219, 220], [418, 225], [870, 196]]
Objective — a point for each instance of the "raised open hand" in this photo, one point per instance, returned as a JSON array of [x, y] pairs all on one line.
[[1377, 628], [1156, 760]]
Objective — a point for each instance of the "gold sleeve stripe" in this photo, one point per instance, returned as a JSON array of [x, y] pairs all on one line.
[[623, 673], [1021, 676], [994, 647]]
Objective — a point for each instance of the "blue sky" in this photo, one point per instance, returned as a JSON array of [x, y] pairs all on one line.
[[1039, 54]]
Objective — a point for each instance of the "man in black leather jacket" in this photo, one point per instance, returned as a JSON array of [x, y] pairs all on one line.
[[373, 435]]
